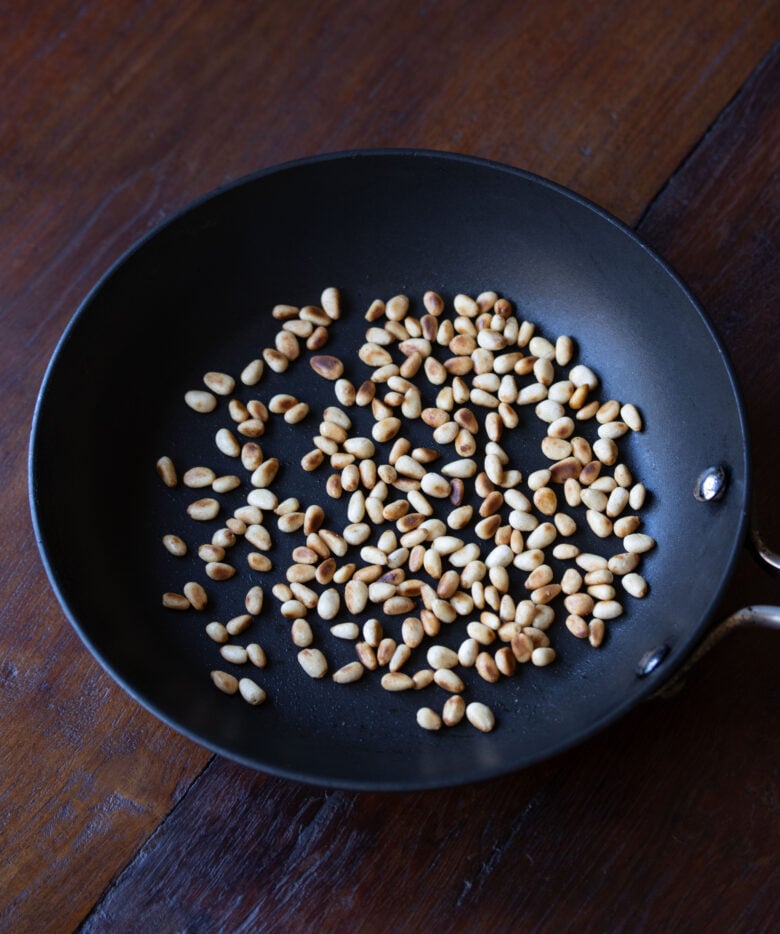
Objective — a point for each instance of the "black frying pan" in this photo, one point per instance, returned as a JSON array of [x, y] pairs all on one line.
[[196, 295]]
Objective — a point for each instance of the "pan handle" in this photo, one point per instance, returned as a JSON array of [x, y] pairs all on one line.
[[759, 615], [762, 551]]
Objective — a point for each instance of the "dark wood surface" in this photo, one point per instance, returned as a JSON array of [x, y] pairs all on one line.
[[113, 116]]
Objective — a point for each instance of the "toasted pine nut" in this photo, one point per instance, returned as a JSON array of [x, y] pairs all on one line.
[[349, 673], [397, 681], [167, 471], [175, 545], [219, 570], [327, 366], [217, 632], [577, 626], [196, 595], [175, 601], [225, 682], [448, 680]]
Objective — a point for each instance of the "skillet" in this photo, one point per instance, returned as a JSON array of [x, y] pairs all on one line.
[[195, 295]]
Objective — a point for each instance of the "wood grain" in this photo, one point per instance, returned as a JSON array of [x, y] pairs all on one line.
[[116, 115]]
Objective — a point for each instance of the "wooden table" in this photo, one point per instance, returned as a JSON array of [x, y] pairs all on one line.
[[115, 115]]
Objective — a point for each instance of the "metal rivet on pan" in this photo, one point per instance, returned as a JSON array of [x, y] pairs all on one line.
[[710, 485], [651, 660]]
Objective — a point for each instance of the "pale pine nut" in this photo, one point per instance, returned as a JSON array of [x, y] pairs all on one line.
[[251, 691], [313, 662], [301, 633], [636, 496], [252, 372], [542, 656], [236, 654], [227, 443], [607, 609], [256, 655], [630, 415], [428, 719], [635, 584], [480, 716], [638, 543], [200, 400]]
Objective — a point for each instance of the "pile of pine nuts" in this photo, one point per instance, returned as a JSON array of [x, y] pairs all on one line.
[[440, 542]]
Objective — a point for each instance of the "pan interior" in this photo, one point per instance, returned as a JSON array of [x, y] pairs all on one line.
[[196, 296]]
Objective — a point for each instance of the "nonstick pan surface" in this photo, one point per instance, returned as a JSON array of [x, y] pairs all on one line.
[[196, 295]]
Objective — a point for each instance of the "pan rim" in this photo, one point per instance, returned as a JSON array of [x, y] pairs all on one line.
[[651, 683]]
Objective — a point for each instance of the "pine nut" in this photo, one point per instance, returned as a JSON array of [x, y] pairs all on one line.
[[313, 662], [252, 373], [198, 477], [238, 624], [542, 656], [480, 716], [200, 400], [448, 680], [175, 601], [630, 415], [623, 563], [236, 654], [175, 545], [329, 604], [327, 366], [349, 673], [638, 543], [577, 626], [225, 682], [301, 633], [607, 609], [251, 691], [256, 655], [397, 681], [635, 584], [636, 496], [579, 604]]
